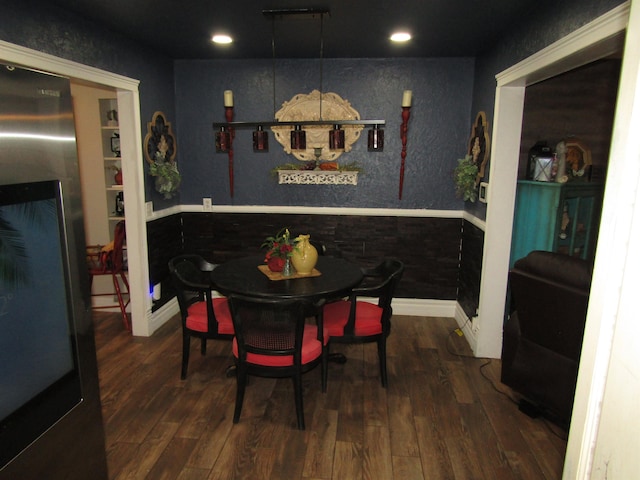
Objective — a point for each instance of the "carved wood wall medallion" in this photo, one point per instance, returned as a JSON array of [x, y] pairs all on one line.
[[307, 107], [160, 142], [479, 144]]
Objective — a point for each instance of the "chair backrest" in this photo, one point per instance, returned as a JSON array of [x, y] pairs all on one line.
[[190, 275], [550, 294], [321, 248], [119, 241], [379, 282], [268, 326]]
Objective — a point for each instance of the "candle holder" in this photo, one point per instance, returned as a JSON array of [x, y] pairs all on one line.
[[228, 113], [406, 113]]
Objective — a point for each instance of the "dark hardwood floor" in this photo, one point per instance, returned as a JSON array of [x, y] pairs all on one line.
[[445, 414]]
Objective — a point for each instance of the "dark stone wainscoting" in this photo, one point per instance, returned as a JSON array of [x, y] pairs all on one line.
[[429, 247], [470, 268]]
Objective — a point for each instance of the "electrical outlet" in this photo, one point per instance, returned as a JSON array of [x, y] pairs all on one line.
[[475, 325], [149, 208], [206, 204]]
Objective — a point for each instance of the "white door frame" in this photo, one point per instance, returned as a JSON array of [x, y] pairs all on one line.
[[591, 42], [132, 163]]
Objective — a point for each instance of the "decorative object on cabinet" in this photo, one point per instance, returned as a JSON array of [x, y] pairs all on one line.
[[578, 159], [115, 143], [112, 118], [303, 111], [160, 152], [479, 144], [556, 217], [465, 176], [117, 177], [542, 164], [406, 113]]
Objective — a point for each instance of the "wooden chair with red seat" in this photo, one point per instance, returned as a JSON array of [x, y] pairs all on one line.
[[109, 260], [359, 321], [202, 316], [274, 340]]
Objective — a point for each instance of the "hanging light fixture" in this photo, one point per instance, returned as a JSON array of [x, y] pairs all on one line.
[[260, 140], [375, 142], [298, 135], [223, 140], [336, 138], [298, 138]]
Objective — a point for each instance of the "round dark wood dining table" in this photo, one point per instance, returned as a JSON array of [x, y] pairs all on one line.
[[242, 276]]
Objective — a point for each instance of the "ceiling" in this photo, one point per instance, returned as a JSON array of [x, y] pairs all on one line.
[[182, 29]]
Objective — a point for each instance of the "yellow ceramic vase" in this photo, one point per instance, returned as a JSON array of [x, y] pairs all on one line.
[[304, 256]]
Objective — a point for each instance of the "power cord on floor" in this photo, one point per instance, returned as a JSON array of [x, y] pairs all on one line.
[[459, 331]]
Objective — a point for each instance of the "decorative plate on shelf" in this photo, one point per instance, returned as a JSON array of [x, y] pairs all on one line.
[[308, 107]]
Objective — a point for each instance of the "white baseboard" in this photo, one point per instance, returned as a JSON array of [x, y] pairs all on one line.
[[421, 307], [466, 326], [163, 314], [414, 307]]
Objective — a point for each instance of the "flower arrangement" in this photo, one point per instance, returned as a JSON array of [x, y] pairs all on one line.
[[167, 177], [465, 176], [164, 168], [279, 248]]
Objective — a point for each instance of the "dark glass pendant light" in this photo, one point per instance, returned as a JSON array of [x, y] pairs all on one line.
[[336, 138], [223, 140], [375, 141], [260, 140], [298, 138]]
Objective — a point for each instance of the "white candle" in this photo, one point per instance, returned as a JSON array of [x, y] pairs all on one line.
[[228, 98], [406, 98]]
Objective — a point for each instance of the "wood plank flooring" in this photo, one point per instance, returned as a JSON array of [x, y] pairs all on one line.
[[445, 414]]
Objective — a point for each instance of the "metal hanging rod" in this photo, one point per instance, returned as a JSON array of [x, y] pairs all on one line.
[[294, 123], [275, 12]]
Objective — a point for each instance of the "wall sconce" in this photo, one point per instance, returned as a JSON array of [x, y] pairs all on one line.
[[223, 140], [375, 142], [298, 138], [260, 140], [336, 138]]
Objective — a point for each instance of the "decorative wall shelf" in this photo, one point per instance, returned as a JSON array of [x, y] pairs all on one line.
[[317, 177]]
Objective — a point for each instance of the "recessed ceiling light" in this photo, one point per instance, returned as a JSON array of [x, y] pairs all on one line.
[[221, 39], [400, 37]]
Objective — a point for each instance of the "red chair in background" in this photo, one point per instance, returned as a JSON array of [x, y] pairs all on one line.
[[109, 260]]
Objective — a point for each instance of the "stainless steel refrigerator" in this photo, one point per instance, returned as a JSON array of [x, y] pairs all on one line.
[[50, 412]]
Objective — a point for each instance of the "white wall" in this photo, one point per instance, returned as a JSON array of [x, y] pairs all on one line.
[[92, 174], [605, 432]]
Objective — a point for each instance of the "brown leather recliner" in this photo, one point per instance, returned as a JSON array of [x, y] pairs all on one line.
[[543, 335]]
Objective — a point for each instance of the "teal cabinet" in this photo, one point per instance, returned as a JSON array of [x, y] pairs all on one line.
[[556, 217]]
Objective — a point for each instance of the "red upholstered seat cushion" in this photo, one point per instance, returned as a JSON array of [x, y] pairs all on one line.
[[197, 317], [368, 318], [311, 349]]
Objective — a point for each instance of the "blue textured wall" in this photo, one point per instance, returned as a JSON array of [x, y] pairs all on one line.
[[439, 129]]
